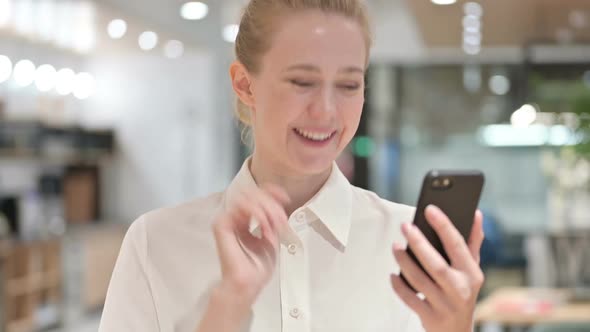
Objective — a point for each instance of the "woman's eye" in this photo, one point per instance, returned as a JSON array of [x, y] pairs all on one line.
[[303, 84], [350, 87]]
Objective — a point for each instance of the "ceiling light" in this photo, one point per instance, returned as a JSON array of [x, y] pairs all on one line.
[[471, 23], [5, 12], [84, 40], [117, 28], [499, 84], [524, 116], [65, 81], [443, 2], [471, 49], [468, 34], [45, 78], [24, 22], [507, 135], [45, 19], [24, 73], [230, 33], [5, 68], [578, 19], [473, 28], [194, 10], [84, 36], [174, 49], [148, 40], [473, 9], [84, 86], [63, 32], [472, 38]]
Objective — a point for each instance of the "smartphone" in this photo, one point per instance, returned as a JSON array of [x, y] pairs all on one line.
[[457, 194]]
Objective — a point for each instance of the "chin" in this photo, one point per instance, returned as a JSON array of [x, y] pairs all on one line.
[[310, 165]]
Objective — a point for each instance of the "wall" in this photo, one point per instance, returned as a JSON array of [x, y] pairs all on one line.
[[514, 187], [167, 130], [18, 175]]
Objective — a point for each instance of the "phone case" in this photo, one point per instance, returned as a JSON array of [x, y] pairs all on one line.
[[457, 194]]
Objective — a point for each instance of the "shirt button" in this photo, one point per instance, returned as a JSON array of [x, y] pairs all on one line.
[[292, 249], [300, 217], [294, 313]]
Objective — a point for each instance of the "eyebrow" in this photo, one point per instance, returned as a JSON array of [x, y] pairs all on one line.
[[312, 68]]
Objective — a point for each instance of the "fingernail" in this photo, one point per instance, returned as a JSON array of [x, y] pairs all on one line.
[[430, 208], [397, 246], [434, 212], [405, 229]]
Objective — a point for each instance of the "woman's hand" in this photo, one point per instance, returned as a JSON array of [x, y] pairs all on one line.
[[248, 262], [451, 290]]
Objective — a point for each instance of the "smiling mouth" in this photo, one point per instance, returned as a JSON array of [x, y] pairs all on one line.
[[317, 137]]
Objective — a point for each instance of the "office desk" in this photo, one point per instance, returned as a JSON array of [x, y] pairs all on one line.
[[525, 307]]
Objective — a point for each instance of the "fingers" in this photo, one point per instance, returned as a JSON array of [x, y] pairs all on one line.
[[432, 261], [242, 213], [260, 249], [227, 242], [462, 280], [476, 237], [421, 307], [273, 210], [264, 205], [270, 217], [452, 241], [419, 280]]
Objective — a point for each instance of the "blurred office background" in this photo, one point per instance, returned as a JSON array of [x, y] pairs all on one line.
[[111, 108]]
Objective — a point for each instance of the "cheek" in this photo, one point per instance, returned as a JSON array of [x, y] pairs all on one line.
[[277, 109], [285, 106], [351, 116], [352, 111]]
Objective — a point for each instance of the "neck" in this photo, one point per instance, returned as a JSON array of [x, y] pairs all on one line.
[[301, 188]]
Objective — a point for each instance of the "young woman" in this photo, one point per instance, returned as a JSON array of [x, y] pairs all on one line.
[[291, 245]]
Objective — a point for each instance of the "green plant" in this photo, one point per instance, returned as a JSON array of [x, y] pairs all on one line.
[[581, 106]]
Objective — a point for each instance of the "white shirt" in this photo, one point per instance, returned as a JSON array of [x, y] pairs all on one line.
[[332, 273]]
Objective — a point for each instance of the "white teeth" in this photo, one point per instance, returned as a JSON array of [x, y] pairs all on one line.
[[313, 136]]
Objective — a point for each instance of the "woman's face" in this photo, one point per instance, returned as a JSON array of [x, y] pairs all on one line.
[[309, 93]]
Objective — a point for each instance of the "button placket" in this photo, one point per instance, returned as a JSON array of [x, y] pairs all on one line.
[[300, 217], [293, 283], [292, 249], [295, 313]]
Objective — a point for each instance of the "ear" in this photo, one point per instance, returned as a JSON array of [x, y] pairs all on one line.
[[241, 82]]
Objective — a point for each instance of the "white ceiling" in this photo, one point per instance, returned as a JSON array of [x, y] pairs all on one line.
[[405, 30], [164, 15]]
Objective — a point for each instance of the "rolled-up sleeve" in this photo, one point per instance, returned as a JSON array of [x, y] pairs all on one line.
[[129, 304]]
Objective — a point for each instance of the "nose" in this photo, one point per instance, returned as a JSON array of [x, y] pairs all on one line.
[[325, 103]]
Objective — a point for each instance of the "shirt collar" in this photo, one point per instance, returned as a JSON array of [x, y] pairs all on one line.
[[242, 181], [331, 204]]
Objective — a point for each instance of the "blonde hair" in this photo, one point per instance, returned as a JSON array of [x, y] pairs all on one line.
[[256, 26]]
